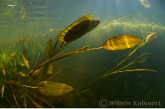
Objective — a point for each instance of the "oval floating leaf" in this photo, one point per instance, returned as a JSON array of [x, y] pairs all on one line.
[[80, 29], [49, 48], [93, 24], [121, 42], [85, 19], [53, 89]]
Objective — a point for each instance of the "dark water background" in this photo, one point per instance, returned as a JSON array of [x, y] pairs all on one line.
[[81, 69]]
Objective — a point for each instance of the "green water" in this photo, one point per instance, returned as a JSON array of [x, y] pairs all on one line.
[[27, 25]]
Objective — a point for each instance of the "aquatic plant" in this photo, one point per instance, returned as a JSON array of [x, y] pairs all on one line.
[[24, 77]]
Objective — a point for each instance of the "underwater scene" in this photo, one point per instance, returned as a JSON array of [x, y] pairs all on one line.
[[82, 53]]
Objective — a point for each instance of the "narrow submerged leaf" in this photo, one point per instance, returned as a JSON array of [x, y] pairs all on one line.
[[4, 72], [37, 105], [1, 73], [4, 65], [49, 48], [142, 59], [24, 101], [43, 100], [16, 100], [53, 89], [24, 52], [3, 90], [15, 65], [26, 61], [121, 42]]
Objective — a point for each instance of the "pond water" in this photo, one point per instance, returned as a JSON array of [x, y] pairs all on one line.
[[39, 70]]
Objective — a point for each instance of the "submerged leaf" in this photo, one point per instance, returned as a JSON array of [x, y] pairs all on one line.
[[4, 68], [50, 69], [37, 105], [142, 59], [24, 101], [26, 61], [151, 36], [2, 90], [24, 52], [13, 54], [121, 42], [49, 48], [4, 65], [53, 89], [4, 72], [35, 74], [1, 73]]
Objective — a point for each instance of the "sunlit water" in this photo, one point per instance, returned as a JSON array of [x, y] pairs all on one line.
[[44, 19]]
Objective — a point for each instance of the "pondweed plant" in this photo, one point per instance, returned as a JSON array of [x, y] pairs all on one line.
[[24, 75]]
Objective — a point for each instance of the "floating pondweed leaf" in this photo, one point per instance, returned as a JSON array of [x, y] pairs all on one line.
[[26, 61], [151, 36], [84, 19], [35, 74], [80, 29], [76, 31], [121, 42], [49, 48], [53, 89]]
